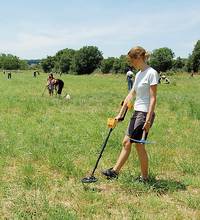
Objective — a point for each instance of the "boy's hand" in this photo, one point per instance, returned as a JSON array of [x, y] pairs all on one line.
[[112, 122], [118, 117], [146, 126]]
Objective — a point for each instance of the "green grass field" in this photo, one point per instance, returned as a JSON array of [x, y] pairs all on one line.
[[48, 145]]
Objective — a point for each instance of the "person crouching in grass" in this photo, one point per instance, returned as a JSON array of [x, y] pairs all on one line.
[[59, 84]]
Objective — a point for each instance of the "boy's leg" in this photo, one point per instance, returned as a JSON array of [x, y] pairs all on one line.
[[143, 157], [129, 86], [126, 149], [60, 87]]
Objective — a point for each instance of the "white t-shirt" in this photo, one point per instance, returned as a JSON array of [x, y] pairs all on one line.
[[129, 73], [143, 81]]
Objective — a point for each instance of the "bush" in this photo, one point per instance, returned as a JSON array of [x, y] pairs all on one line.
[[162, 59], [11, 62], [86, 60], [196, 57], [48, 64], [120, 65], [107, 65], [64, 59]]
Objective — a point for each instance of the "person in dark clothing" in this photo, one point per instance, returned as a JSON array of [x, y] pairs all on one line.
[[59, 84], [9, 75]]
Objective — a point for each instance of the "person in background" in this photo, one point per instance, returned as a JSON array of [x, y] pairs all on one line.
[[9, 75], [50, 84], [58, 84], [129, 78]]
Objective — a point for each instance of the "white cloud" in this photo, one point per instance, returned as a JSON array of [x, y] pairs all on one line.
[[36, 40], [74, 37]]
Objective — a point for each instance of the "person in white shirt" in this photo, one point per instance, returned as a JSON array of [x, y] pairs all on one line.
[[145, 90], [129, 77]]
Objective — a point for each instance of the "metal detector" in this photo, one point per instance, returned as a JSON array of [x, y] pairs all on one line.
[[143, 140], [44, 90], [92, 178], [111, 124]]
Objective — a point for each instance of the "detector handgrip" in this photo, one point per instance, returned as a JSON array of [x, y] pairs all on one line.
[[122, 118], [112, 122]]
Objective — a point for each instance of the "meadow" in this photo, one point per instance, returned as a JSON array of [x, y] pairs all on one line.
[[47, 145]]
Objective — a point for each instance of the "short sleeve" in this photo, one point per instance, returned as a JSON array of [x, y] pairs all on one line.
[[153, 78]]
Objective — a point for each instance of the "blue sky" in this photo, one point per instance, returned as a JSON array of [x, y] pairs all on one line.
[[35, 29]]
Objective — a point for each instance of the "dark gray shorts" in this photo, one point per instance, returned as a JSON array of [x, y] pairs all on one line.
[[136, 124]]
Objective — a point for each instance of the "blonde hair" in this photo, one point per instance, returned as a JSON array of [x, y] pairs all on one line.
[[137, 52]]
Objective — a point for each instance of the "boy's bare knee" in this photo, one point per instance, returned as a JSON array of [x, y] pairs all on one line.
[[126, 144]]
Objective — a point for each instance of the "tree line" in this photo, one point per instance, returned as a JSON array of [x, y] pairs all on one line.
[[11, 62], [89, 59]]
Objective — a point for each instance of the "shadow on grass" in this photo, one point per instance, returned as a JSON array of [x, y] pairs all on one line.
[[130, 184], [162, 186], [100, 186], [91, 187]]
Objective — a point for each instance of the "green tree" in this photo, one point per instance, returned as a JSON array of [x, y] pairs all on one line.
[[9, 62], [121, 64], [189, 64], [48, 64], [23, 65], [86, 60], [107, 64], [124, 64], [56, 67], [65, 59], [116, 65], [196, 57], [162, 59], [60, 62], [178, 63]]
